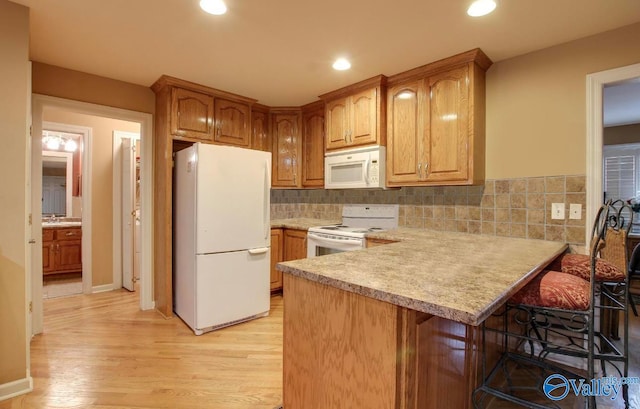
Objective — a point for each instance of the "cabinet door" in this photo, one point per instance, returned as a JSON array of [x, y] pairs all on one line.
[[276, 257], [313, 149], [447, 149], [69, 257], [337, 122], [295, 244], [191, 114], [405, 133], [286, 150], [364, 119], [232, 122], [48, 257], [260, 131]]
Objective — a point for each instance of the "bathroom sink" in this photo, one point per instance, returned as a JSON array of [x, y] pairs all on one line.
[[60, 224]]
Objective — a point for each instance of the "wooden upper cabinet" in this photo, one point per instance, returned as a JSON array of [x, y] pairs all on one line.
[[191, 114], [436, 123], [364, 117], [406, 133], [355, 115], [260, 136], [446, 151], [200, 113], [313, 145], [232, 122], [337, 117], [287, 148]]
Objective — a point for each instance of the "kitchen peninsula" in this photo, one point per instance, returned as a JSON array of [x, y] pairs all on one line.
[[396, 325]]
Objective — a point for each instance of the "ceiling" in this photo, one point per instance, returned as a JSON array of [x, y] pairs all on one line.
[[280, 51]]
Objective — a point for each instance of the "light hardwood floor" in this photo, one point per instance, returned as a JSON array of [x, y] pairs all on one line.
[[100, 351]]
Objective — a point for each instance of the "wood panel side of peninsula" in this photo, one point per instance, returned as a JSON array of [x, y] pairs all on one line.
[[345, 350]]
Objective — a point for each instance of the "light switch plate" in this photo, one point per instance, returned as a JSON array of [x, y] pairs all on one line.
[[575, 211], [557, 211]]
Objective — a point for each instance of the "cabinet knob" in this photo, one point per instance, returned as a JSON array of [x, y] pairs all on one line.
[[419, 170]]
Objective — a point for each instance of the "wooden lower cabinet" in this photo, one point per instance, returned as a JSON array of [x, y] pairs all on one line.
[[295, 244], [276, 257], [62, 250], [286, 245], [345, 350]]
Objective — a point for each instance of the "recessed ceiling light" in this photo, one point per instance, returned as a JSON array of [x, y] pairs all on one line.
[[481, 8], [341, 64], [216, 7]]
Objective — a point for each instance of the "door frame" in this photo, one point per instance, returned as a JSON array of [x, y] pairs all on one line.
[[39, 103], [118, 136], [595, 88]]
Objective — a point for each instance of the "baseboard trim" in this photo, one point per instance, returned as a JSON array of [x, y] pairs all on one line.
[[102, 288], [15, 388]]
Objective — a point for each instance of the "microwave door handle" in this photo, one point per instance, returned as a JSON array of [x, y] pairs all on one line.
[[366, 171]]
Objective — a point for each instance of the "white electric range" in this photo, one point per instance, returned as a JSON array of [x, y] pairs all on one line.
[[357, 220]]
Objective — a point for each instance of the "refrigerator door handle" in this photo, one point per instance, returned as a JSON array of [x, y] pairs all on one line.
[[265, 212], [260, 250]]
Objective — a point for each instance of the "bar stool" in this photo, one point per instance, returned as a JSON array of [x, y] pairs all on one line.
[[557, 315], [634, 275]]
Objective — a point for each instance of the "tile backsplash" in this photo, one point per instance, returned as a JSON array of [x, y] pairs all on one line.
[[503, 207]]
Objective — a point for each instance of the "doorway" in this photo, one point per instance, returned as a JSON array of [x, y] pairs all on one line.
[[595, 129], [62, 151], [126, 213], [42, 104]]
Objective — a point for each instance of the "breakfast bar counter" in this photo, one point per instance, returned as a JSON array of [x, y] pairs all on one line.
[[396, 326]]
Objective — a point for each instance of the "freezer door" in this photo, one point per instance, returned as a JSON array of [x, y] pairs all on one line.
[[231, 287], [233, 199]]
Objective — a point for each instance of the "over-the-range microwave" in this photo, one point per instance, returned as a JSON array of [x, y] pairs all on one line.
[[358, 168]]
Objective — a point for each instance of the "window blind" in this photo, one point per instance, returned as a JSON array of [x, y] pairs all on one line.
[[620, 168]]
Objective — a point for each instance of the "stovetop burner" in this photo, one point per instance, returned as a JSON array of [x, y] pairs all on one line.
[[357, 220]]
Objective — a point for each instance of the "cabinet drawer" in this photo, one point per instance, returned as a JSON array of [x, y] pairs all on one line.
[[47, 235], [68, 234]]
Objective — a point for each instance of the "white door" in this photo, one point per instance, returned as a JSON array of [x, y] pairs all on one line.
[[128, 212], [233, 199]]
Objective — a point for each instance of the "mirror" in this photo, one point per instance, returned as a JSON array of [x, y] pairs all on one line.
[[57, 183]]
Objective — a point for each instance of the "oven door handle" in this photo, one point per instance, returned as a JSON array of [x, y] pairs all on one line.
[[328, 240]]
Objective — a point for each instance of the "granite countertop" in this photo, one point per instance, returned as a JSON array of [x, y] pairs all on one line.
[[457, 276], [301, 223]]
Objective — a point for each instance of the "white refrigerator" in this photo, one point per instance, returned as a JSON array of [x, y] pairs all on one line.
[[221, 235]]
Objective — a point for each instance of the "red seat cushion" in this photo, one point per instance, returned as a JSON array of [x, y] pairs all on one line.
[[579, 265], [554, 289]]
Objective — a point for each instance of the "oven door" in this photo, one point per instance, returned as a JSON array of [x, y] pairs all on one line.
[[320, 244]]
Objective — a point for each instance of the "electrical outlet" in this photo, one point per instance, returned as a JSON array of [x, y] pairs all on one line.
[[557, 211], [575, 211]]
